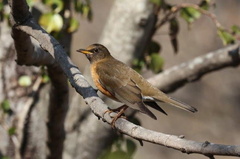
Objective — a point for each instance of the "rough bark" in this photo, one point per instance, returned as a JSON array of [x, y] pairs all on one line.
[[19, 97], [30, 54], [124, 28]]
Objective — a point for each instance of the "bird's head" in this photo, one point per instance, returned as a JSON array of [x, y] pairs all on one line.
[[95, 52]]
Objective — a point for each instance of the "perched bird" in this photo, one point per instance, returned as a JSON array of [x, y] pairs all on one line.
[[123, 84]]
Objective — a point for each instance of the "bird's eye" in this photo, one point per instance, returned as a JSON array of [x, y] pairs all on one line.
[[95, 50]]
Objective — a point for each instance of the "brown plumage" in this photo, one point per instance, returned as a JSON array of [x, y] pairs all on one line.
[[121, 83]]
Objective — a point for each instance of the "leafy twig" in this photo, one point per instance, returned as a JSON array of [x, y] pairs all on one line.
[[175, 9]]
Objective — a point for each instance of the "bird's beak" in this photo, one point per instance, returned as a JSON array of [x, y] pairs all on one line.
[[83, 51]]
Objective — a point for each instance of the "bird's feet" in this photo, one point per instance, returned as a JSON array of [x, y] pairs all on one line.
[[120, 114]]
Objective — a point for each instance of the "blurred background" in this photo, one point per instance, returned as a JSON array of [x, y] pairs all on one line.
[[216, 95]]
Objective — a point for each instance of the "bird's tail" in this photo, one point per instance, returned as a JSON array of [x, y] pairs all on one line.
[[145, 110], [178, 104]]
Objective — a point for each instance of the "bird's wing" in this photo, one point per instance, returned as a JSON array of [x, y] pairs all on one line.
[[122, 87]]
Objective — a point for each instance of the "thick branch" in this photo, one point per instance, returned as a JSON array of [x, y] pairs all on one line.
[[58, 106], [29, 53], [176, 142], [49, 44]]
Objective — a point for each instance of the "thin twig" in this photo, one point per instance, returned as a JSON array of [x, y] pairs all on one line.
[[175, 9], [21, 117]]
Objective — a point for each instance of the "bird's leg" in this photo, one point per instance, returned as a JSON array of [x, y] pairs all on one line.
[[116, 109], [119, 114], [120, 110]]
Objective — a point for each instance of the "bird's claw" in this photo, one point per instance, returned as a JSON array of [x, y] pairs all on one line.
[[120, 114]]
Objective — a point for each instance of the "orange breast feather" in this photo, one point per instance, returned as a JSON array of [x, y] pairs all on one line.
[[95, 78]]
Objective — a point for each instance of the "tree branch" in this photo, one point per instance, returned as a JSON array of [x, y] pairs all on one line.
[[176, 142], [78, 81], [175, 77], [30, 54], [174, 10], [25, 50], [58, 106]]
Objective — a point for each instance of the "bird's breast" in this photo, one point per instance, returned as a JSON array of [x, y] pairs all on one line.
[[96, 81]]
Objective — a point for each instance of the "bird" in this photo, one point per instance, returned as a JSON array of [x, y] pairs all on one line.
[[123, 84]]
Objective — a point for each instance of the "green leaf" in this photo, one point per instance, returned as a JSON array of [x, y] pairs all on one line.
[[12, 131], [1, 6], [118, 143], [106, 153], [45, 78], [235, 29], [131, 147], [5, 105], [90, 15], [4, 157], [226, 37], [157, 62], [190, 14], [173, 32], [154, 47], [78, 6], [56, 5], [87, 12], [30, 3], [73, 25], [25, 81], [138, 64], [205, 4], [156, 2], [51, 22], [84, 8], [119, 154], [174, 43]]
